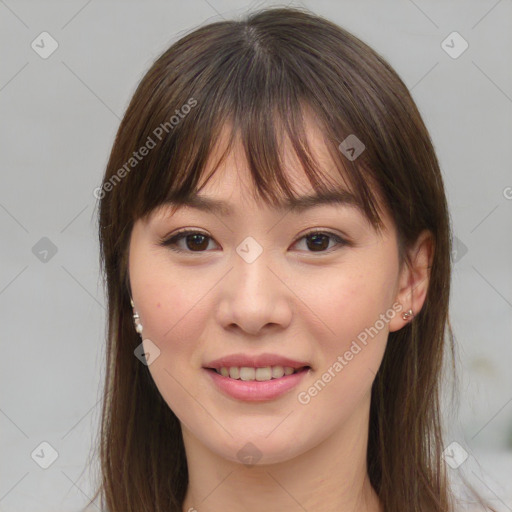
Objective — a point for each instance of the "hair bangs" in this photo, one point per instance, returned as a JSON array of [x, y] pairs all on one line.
[[263, 110]]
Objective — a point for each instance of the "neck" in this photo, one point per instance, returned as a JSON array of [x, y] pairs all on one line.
[[331, 476]]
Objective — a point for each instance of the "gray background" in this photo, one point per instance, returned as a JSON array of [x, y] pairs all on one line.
[[59, 117]]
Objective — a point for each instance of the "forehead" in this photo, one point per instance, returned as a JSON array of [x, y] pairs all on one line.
[[227, 172], [228, 181]]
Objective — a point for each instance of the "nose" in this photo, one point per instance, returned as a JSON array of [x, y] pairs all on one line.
[[253, 297]]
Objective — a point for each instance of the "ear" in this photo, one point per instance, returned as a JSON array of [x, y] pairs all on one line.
[[414, 278]]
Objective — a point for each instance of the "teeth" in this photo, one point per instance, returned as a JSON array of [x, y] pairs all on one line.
[[246, 373], [277, 372], [264, 373]]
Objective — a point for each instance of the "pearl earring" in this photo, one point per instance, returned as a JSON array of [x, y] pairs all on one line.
[[407, 314], [136, 319]]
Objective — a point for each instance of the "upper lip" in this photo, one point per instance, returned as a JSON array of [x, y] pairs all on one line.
[[256, 361]]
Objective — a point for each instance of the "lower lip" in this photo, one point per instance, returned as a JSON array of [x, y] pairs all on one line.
[[256, 390]]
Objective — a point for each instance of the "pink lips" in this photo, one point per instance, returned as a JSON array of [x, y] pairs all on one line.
[[256, 390]]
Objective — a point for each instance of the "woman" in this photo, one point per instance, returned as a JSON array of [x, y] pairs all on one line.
[[276, 245]]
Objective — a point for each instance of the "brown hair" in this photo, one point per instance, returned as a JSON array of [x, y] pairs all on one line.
[[263, 75]]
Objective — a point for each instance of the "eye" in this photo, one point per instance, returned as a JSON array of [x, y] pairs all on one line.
[[318, 241], [197, 241]]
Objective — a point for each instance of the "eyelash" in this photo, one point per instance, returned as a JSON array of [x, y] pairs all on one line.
[[172, 241]]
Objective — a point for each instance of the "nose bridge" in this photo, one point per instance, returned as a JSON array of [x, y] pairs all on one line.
[[252, 295], [251, 269], [251, 274]]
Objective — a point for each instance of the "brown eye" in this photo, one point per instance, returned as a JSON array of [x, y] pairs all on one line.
[[195, 241], [319, 241]]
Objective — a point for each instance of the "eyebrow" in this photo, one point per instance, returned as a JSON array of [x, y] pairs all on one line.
[[294, 204]]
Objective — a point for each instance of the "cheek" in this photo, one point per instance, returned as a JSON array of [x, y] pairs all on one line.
[[350, 298], [350, 340], [170, 311], [168, 301], [350, 314]]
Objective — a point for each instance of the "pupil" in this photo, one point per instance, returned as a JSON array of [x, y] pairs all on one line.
[[315, 239], [197, 238]]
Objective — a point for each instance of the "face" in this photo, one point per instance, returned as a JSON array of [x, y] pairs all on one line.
[[259, 289]]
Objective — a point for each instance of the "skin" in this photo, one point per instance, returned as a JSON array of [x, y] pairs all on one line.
[[292, 300]]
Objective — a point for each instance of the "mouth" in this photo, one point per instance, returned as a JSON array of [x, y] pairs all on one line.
[[257, 374], [256, 384]]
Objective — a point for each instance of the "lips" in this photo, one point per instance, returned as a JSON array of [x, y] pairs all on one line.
[[247, 378], [254, 390], [257, 361]]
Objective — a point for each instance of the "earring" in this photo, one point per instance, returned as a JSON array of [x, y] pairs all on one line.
[[136, 320], [407, 314]]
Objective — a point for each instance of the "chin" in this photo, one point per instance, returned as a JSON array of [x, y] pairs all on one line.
[[258, 449]]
